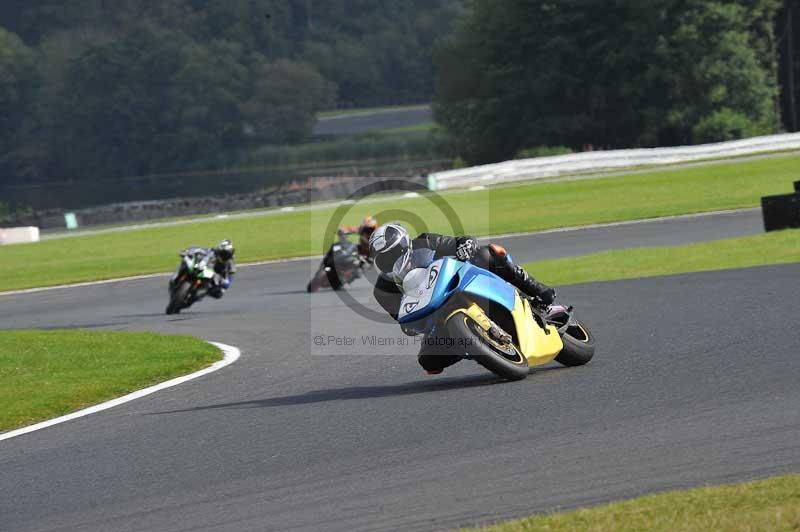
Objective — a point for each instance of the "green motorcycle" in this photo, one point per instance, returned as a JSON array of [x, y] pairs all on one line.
[[194, 277]]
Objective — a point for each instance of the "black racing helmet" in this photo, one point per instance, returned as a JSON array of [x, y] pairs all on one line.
[[224, 250]]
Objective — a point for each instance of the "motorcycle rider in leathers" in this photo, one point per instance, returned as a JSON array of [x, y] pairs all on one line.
[[364, 232], [393, 251], [224, 268]]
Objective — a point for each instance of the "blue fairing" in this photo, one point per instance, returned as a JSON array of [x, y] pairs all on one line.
[[470, 280], [485, 284]]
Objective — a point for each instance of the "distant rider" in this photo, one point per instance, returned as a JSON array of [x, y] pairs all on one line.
[[224, 268], [395, 254], [364, 231], [221, 257]]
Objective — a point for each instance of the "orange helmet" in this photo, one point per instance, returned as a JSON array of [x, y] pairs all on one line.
[[368, 226], [369, 223]]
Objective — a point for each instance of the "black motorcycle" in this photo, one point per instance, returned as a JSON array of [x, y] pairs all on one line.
[[341, 265]]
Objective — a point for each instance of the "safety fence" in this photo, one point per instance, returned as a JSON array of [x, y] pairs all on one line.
[[295, 193], [600, 161]]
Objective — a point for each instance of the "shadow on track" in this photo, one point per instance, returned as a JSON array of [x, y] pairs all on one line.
[[354, 392], [183, 317], [285, 293]]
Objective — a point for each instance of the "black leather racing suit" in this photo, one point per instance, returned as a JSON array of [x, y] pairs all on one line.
[[492, 258], [225, 270]]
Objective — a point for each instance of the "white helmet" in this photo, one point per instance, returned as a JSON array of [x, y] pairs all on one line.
[[390, 246]]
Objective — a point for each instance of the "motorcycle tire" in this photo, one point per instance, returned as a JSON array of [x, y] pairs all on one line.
[[317, 282], [333, 279], [178, 298], [579, 346], [504, 361]]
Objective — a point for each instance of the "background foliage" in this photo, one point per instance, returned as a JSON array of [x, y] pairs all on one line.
[[95, 89], [608, 74], [92, 89]]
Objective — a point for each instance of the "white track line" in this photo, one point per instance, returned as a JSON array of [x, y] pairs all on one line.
[[484, 238], [231, 355]]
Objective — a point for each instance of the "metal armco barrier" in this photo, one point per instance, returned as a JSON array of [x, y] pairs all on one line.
[[598, 161], [781, 212]]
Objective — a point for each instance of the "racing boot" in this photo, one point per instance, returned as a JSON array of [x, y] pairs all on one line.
[[530, 286], [514, 274]]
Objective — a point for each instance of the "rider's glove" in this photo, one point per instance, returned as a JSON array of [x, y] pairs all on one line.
[[466, 249]]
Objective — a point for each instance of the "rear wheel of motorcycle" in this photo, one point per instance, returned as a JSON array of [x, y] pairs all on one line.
[[178, 298], [503, 360], [579, 345]]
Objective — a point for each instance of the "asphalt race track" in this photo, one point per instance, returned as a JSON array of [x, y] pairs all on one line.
[[695, 382], [361, 122]]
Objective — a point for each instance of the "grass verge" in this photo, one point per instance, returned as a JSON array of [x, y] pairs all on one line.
[[767, 505], [46, 374], [427, 126], [780, 247], [499, 210]]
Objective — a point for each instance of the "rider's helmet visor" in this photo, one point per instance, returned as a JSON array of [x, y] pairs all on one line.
[[385, 261]]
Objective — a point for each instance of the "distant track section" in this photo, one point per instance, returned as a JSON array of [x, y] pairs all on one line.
[[363, 121]]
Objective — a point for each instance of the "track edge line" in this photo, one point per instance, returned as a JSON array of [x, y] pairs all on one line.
[[230, 355]]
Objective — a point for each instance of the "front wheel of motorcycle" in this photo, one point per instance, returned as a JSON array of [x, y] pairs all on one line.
[[319, 281], [333, 279], [178, 298], [504, 360], [579, 345]]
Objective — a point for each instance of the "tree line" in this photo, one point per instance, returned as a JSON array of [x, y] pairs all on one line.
[[99, 89], [517, 74], [94, 89]]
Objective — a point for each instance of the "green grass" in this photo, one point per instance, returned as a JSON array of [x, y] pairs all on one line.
[[46, 374], [498, 210], [766, 506], [781, 247], [427, 126]]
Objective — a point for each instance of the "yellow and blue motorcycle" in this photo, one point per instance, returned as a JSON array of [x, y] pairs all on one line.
[[487, 320]]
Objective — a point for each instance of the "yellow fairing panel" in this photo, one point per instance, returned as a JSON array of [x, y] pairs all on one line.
[[476, 313], [539, 348]]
